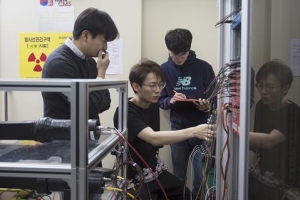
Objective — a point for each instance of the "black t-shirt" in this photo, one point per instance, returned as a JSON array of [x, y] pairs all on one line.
[[138, 119], [278, 165]]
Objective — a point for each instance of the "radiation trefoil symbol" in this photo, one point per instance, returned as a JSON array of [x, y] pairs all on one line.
[[32, 58]]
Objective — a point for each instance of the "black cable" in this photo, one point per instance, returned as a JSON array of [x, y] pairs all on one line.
[[145, 163], [139, 172]]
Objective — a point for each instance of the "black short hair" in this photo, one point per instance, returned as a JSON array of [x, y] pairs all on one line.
[[279, 69], [96, 22], [139, 72], [179, 40]]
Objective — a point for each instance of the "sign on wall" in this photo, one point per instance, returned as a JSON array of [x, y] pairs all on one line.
[[295, 56], [115, 50], [34, 48], [55, 19], [61, 3]]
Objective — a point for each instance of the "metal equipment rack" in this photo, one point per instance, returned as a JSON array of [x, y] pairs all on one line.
[[82, 161], [235, 42]]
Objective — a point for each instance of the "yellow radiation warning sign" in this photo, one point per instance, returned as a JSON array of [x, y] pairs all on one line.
[[34, 50]]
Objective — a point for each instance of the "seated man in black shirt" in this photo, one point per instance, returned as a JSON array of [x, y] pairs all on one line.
[[147, 80], [274, 174]]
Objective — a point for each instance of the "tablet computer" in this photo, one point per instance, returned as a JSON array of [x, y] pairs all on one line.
[[186, 103]]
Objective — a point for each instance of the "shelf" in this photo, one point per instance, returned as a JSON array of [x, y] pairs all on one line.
[[77, 156]]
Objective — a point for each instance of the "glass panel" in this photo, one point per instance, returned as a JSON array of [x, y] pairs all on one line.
[[275, 117]]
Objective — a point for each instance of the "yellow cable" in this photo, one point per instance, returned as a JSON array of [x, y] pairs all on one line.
[[131, 184], [9, 190], [118, 189]]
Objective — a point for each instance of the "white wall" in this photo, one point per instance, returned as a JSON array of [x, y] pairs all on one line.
[[22, 17], [199, 16], [136, 20], [142, 26], [260, 40], [285, 26], [274, 24]]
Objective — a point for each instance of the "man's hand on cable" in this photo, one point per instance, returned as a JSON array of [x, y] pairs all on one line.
[[102, 63], [206, 131]]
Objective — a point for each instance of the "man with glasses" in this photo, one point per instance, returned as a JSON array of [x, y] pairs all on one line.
[[187, 77], [274, 173], [147, 81], [154, 87]]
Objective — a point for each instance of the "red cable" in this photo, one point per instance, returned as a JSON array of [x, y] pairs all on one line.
[[133, 149]]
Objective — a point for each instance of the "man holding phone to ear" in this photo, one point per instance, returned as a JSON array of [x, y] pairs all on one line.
[[74, 60]]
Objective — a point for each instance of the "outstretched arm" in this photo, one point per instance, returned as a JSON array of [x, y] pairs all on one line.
[[157, 138], [265, 140]]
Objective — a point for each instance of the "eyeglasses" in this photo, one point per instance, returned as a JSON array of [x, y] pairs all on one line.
[[182, 55], [268, 88], [154, 86]]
